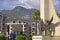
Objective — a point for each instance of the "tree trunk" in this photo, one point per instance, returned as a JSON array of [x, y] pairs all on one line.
[[36, 26]]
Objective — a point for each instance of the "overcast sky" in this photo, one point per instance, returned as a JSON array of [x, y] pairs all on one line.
[[10, 4]]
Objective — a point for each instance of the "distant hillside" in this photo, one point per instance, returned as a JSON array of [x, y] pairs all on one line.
[[21, 13], [18, 13]]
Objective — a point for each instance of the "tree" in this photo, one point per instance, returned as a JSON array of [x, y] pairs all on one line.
[[21, 37], [36, 17], [3, 37]]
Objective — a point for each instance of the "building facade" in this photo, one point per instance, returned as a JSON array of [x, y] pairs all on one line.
[[2, 24], [17, 28], [36, 30]]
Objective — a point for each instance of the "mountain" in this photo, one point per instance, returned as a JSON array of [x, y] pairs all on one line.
[[18, 13]]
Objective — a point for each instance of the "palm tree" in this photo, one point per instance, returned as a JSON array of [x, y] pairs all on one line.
[[36, 17]]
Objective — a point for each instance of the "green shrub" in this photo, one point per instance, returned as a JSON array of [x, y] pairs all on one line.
[[21, 37], [3, 37]]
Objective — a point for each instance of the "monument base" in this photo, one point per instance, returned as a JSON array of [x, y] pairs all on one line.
[[37, 37]]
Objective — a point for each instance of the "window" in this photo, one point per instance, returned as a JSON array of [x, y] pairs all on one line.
[[13, 21]]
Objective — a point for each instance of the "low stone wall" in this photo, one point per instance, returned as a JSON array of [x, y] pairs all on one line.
[[51, 38], [37, 37], [45, 37]]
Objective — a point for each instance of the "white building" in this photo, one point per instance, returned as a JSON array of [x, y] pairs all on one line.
[[17, 27], [36, 30]]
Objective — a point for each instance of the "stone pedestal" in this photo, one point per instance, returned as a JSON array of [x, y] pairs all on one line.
[[37, 37]]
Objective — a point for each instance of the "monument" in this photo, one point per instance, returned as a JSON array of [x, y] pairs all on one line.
[[48, 15], [47, 11]]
